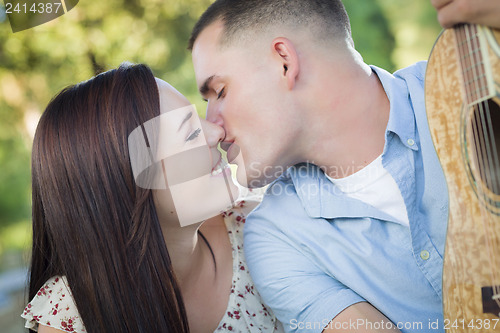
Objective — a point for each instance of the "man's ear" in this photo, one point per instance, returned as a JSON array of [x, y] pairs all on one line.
[[284, 49]]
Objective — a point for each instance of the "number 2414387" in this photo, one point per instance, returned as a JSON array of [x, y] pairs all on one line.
[[35, 8], [479, 324]]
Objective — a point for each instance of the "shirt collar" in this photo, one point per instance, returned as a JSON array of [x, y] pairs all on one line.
[[322, 199], [401, 117]]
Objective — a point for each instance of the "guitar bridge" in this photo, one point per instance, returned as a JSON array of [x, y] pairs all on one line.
[[491, 300]]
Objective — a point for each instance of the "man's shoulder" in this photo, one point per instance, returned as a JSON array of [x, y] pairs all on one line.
[[291, 187], [278, 198], [282, 202]]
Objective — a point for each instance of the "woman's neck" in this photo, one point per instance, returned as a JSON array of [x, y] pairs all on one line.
[[190, 254]]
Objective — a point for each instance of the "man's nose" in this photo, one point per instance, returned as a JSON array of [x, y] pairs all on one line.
[[213, 133], [214, 116]]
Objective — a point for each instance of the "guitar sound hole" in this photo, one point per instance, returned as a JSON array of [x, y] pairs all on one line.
[[485, 138]]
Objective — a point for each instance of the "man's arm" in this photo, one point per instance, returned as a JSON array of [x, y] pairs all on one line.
[[451, 12], [291, 281], [362, 318]]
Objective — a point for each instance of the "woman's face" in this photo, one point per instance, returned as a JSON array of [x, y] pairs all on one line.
[[191, 182]]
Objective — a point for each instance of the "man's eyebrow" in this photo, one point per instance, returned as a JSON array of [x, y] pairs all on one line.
[[186, 118], [205, 86]]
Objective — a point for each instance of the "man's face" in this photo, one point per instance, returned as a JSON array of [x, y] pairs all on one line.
[[248, 96]]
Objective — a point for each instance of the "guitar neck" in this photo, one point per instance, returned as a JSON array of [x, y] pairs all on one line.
[[472, 50]]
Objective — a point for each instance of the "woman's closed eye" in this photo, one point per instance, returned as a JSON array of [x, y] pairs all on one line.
[[194, 135]]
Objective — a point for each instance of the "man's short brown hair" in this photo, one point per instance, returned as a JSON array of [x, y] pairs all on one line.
[[326, 19]]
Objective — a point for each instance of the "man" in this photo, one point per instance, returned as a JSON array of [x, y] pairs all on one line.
[[353, 239]]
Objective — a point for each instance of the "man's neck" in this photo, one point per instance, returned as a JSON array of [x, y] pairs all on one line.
[[348, 132]]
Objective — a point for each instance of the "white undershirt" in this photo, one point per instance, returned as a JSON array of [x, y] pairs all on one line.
[[375, 186]]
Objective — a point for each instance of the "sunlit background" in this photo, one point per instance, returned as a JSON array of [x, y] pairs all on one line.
[[98, 35]]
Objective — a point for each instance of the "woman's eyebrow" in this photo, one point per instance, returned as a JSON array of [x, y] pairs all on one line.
[[186, 118]]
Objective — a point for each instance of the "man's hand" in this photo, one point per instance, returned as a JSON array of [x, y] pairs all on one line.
[[484, 12]]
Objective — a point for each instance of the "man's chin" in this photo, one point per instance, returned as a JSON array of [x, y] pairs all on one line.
[[242, 178], [253, 175], [247, 181]]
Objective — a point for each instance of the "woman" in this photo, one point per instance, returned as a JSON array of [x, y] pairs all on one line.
[[124, 174]]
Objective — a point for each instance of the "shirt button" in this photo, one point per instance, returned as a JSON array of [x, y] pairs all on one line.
[[424, 254], [411, 142]]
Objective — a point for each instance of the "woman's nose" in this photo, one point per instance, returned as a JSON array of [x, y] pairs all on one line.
[[213, 133]]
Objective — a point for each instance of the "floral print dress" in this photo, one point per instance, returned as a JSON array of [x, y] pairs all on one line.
[[54, 306]]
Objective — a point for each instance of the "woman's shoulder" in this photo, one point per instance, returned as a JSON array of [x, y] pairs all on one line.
[[53, 306], [246, 311], [240, 210]]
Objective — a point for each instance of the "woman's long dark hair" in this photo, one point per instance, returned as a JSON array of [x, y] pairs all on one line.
[[91, 223]]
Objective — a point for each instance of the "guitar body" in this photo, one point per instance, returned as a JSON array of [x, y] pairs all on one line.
[[472, 253]]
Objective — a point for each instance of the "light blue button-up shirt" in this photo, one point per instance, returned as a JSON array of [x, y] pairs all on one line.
[[312, 251]]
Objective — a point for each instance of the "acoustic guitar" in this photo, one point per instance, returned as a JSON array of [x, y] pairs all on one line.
[[462, 90]]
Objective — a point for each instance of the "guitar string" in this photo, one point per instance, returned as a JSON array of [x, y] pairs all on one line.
[[461, 32], [489, 169], [491, 181], [469, 78], [489, 131], [484, 140], [483, 110], [495, 176], [463, 48], [494, 170]]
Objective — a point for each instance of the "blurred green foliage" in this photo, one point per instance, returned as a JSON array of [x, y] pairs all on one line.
[[98, 35], [415, 28], [371, 33], [37, 63]]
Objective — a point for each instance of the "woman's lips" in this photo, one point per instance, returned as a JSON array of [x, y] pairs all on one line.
[[220, 167]]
